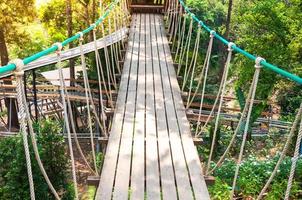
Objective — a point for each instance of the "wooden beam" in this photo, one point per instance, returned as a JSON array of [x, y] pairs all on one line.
[[210, 180], [93, 181]]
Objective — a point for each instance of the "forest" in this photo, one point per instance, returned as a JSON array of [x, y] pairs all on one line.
[[267, 28]]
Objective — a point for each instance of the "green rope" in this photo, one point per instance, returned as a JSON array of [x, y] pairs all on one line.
[[265, 64]]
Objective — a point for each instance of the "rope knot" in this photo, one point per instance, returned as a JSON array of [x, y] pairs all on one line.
[[212, 33], [230, 45], [59, 47], [19, 71], [258, 62], [94, 26], [81, 35]]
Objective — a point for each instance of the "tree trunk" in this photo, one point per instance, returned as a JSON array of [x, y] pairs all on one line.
[[9, 103], [69, 32], [71, 60], [226, 35], [93, 10], [90, 35]]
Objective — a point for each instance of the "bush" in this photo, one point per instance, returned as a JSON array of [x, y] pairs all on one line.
[[13, 172], [254, 174]]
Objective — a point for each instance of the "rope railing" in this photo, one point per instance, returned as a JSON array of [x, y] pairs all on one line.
[[181, 40], [18, 66], [237, 49], [11, 66]]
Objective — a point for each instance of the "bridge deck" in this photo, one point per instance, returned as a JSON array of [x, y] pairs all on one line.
[[150, 153]]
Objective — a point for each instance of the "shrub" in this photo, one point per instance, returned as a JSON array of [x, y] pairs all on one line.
[[13, 172], [253, 175]]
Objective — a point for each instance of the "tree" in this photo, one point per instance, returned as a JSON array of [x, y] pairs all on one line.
[[267, 28], [13, 13]]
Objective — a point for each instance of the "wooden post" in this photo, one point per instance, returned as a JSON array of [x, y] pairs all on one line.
[[35, 94]]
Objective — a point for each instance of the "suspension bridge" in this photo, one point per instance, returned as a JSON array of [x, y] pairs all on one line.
[[139, 103]]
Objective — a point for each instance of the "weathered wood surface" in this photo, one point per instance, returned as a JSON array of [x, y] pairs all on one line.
[[150, 152]]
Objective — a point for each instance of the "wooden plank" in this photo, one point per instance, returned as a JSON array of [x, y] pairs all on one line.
[[152, 168], [180, 166], [108, 171], [121, 187], [138, 157], [138, 6], [165, 157], [196, 176]]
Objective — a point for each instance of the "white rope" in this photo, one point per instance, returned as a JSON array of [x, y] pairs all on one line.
[[110, 73], [206, 65], [112, 54], [173, 29], [187, 49], [193, 65], [178, 33], [283, 153], [118, 44], [83, 63], [224, 80], [74, 131], [169, 11], [33, 137], [108, 68], [22, 119], [62, 83], [243, 116], [180, 43], [294, 161], [99, 68], [251, 103], [203, 76], [115, 45]]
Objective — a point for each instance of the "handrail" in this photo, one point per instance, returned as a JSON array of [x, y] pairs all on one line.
[[248, 55], [10, 67]]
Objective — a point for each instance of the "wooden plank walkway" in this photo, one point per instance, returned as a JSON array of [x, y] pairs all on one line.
[[150, 153]]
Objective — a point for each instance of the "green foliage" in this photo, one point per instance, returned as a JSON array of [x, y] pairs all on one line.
[[253, 175], [13, 172], [220, 190], [267, 28]]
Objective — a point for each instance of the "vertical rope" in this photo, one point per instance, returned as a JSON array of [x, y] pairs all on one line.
[[294, 161], [178, 33], [34, 141], [112, 54], [251, 103], [87, 104], [62, 83], [99, 70], [224, 80], [186, 50], [115, 45], [110, 78], [74, 131], [100, 73], [174, 22], [180, 43], [193, 65], [203, 76], [205, 67], [283, 153], [22, 119], [119, 48]]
